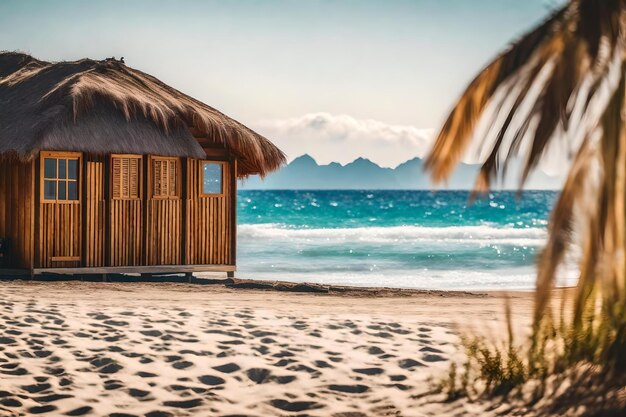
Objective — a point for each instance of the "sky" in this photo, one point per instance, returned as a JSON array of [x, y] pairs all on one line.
[[335, 79]]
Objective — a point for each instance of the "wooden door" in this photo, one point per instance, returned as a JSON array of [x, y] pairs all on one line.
[[126, 210], [94, 218], [164, 237], [60, 212]]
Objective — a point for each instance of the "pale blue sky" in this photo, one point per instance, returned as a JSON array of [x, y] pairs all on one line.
[[398, 62]]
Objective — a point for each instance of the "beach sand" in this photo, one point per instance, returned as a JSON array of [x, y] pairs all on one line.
[[160, 349]]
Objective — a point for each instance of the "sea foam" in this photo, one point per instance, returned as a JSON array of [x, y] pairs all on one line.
[[484, 234]]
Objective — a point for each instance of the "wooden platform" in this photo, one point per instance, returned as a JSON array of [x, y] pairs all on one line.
[[158, 269]]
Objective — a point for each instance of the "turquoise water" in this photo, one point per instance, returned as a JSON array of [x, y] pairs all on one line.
[[403, 239]]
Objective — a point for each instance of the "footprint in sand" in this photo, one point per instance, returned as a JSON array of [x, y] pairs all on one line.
[[36, 388], [283, 354], [105, 365], [259, 375], [158, 413], [409, 363], [434, 358], [295, 406], [10, 402], [303, 368], [430, 349], [80, 411], [182, 365], [112, 384], [51, 398], [211, 380], [260, 333], [323, 364], [183, 404], [375, 350], [16, 371], [7, 341], [40, 409], [137, 393], [284, 362], [369, 371], [227, 368], [285, 379], [349, 389]]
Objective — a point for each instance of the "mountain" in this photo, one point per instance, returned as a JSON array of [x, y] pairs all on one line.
[[306, 174]]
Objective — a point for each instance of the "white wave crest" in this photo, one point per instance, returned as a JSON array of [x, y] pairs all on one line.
[[484, 234]]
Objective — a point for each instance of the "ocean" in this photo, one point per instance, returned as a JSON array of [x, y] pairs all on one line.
[[400, 239]]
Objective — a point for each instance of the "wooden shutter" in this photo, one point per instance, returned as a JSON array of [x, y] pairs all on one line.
[[172, 179], [116, 177], [126, 177], [165, 172], [134, 176]]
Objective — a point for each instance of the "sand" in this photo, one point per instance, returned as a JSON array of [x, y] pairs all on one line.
[[164, 349]]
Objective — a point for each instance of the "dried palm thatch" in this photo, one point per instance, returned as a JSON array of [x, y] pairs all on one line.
[[563, 83], [105, 107]]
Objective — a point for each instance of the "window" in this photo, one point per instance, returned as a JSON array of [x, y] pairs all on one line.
[[60, 178], [126, 177], [165, 178], [212, 178]]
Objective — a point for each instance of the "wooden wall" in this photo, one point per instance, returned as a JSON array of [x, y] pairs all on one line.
[[59, 237], [98, 231], [17, 212], [209, 221], [164, 239], [126, 227]]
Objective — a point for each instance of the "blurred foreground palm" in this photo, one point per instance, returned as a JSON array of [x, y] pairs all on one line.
[[561, 90]]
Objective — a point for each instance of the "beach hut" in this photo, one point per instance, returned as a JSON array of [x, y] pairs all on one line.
[[105, 169]]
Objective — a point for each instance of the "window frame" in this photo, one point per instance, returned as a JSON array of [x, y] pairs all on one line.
[[178, 184], [140, 180], [201, 176], [70, 156]]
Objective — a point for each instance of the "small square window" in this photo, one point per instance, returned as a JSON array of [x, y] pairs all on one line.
[[62, 168], [50, 168], [72, 190], [72, 169], [60, 178], [212, 174], [50, 190], [62, 193]]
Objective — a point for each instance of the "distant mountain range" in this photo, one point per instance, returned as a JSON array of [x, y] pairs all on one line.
[[306, 174]]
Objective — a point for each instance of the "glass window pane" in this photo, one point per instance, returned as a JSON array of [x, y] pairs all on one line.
[[62, 168], [62, 190], [72, 190], [50, 190], [212, 178], [50, 168], [72, 169]]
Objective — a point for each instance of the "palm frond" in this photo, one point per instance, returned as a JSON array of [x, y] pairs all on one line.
[[563, 85], [565, 59]]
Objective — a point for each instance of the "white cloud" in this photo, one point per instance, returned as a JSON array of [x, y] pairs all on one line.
[[341, 138]]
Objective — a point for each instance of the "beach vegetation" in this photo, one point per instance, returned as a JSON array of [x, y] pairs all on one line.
[[556, 96]]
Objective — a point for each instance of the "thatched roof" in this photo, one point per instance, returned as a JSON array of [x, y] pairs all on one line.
[[104, 107]]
